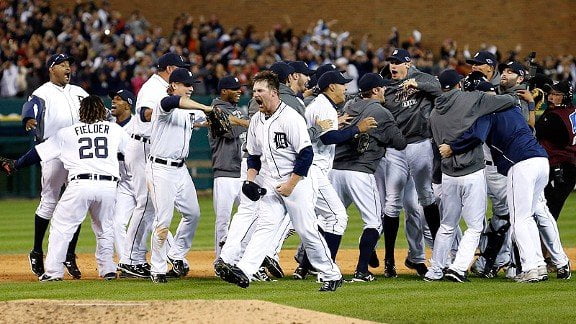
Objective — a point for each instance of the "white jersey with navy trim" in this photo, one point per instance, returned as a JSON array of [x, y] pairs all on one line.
[[278, 138], [321, 109], [55, 107], [171, 131], [86, 148], [152, 91]]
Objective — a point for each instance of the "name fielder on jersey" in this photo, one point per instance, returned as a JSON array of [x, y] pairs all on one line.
[[92, 129]]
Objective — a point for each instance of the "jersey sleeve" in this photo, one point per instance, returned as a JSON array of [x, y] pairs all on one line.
[[473, 136], [51, 148], [252, 144], [297, 134]]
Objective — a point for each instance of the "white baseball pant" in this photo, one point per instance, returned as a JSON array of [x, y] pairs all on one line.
[[54, 176], [171, 187], [226, 193], [549, 233], [80, 197], [123, 209]]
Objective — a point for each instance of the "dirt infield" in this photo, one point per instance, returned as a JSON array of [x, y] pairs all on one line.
[[182, 311], [15, 267]]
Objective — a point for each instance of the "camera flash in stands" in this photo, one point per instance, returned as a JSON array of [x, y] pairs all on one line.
[[107, 32]]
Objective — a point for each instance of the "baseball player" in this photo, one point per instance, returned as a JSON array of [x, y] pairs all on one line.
[[88, 150], [51, 107], [123, 102], [312, 90], [333, 216], [463, 179], [227, 158], [137, 152], [356, 161], [409, 97], [169, 181], [513, 145], [486, 62], [278, 143], [512, 82]]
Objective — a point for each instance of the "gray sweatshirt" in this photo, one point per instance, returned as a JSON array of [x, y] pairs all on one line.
[[411, 108], [455, 111], [227, 149], [386, 134], [519, 102]]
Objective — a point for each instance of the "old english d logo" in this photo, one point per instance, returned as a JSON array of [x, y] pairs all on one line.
[[280, 140]]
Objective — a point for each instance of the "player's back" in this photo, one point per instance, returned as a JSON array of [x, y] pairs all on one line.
[[87, 148], [321, 109], [149, 96]]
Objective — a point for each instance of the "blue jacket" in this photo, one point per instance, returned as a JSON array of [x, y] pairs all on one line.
[[507, 135]]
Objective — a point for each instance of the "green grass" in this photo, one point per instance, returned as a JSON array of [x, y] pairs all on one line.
[[405, 299]]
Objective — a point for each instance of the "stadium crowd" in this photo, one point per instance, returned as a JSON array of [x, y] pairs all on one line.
[[116, 52]]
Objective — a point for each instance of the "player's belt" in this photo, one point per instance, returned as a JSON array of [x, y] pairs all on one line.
[[174, 163], [90, 176], [140, 138], [489, 162]]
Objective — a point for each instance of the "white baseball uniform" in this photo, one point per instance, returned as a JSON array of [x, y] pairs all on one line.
[[328, 205], [278, 139], [54, 108], [89, 153], [125, 199], [170, 184], [136, 156]]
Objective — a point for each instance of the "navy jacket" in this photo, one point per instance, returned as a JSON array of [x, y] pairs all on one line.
[[507, 135]]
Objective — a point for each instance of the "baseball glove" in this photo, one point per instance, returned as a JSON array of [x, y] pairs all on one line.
[[219, 123], [7, 165]]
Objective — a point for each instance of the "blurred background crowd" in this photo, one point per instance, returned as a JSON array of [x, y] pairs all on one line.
[[116, 52]]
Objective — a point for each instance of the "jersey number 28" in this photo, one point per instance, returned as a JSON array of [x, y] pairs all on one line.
[[98, 147]]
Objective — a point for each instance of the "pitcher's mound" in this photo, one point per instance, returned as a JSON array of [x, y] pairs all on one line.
[[181, 311]]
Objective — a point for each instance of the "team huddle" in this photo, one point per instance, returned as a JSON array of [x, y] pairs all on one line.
[[435, 147]]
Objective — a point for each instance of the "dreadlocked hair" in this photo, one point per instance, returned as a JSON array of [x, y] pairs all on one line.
[[92, 110]]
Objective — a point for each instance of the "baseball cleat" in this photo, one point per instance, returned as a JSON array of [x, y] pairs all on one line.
[[300, 273], [454, 276], [331, 285], [137, 270], [179, 267], [430, 279], [421, 268], [273, 267], [374, 262], [36, 262], [261, 275], [72, 267], [528, 276], [564, 272], [363, 277], [542, 273], [110, 276], [233, 274], [46, 278], [158, 278], [390, 269]]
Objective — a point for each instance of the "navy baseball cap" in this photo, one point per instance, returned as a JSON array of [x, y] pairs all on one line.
[[319, 72], [126, 95], [515, 67], [331, 77], [59, 58], [483, 57], [282, 70], [301, 67], [400, 55], [169, 59], [229, 82], [486, 86], [183, 75], [449, 78], [370, 81]]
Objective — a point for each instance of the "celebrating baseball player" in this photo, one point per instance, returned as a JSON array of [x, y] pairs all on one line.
[[356, 161], [279, 143], [463, 179], [227, 158], [51, 107], [169, 181], [123, 102], [409, 97], [88, 150]]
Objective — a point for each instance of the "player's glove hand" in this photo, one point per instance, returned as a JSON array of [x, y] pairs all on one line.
[[7, 165], [252, 190], [219, 123]]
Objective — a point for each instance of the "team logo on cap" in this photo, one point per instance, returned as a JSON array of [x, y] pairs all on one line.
[[236, 79], [489, 61], [395, 52]]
